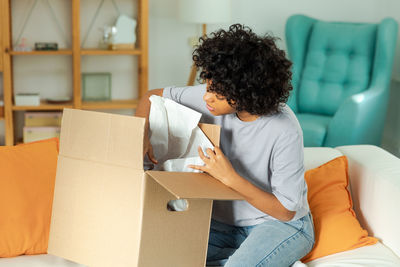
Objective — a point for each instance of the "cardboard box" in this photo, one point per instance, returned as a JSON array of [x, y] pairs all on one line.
[[43, 118], [31, 134], [108, 211]]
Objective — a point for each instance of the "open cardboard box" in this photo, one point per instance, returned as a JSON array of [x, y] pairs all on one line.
[[108, 211]]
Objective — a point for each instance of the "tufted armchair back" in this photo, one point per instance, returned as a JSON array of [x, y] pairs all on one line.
[[341, 77], [336, 66]]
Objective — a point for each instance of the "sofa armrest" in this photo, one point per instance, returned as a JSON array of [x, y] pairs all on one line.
[[375, 187], [316, 156]]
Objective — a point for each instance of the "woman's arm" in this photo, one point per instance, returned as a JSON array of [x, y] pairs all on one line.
[[264, 201], [218, 166], [143, 110]]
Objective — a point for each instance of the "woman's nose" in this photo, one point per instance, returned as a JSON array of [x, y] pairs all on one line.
[[208, 97]]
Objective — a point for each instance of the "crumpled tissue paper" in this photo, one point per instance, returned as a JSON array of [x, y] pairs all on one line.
[[175, 137]]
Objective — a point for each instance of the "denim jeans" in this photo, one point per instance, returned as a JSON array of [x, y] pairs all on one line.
[[272, 243]]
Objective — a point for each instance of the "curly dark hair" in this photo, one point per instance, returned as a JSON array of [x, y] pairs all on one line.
[[251, 72]]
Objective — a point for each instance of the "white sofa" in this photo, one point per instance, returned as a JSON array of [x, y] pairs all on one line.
[[375, 188]]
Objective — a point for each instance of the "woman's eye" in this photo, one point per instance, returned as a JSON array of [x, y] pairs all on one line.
[[220, 97]]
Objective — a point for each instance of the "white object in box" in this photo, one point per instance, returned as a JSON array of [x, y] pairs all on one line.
[[27, 99], [108, 211], [32, 134], [43, 118]]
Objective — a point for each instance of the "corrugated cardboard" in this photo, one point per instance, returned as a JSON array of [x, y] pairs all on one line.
[[108, 211]]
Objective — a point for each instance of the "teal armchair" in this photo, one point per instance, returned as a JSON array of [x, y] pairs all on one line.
[[341, 78]]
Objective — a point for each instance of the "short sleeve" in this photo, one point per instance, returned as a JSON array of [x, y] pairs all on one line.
[[287, 180], [191, 97], [188, 95]]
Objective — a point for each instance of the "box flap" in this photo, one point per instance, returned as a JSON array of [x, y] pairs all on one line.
[[96, 213], [212, 131], [194, 185], [102, 137]]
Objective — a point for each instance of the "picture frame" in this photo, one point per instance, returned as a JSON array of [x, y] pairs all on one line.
[[96, 86]]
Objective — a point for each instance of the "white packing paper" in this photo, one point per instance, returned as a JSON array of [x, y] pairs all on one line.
[[175, 137]]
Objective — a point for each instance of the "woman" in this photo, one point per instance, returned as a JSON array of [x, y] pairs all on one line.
[[246, 84]]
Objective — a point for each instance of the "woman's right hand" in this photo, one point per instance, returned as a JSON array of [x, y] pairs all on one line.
[[143, 110], [148, 150]]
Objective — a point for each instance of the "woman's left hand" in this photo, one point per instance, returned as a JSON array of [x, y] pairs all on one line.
[[217, 165]]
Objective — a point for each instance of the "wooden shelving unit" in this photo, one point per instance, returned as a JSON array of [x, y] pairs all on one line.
[[76, 52], [2, 6], [40, 53], [45, 106], [114, 104], [1, 54], [110, 52]]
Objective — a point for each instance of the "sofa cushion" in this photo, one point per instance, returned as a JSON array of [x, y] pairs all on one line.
[[314, 128], [336, 226], [26, 194], [367, 256]]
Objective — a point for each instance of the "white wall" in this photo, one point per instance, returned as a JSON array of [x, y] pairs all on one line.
[[169, 36], [170, 52]]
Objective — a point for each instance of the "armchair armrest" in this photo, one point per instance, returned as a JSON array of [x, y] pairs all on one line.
[[375, 187], [361, 118]]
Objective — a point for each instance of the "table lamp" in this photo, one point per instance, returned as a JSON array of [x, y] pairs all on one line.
[[204, 12]]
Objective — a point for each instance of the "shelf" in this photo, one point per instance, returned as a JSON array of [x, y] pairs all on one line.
[[32, 53], [83, 52], [110, 52], [73, 20], [113, 104], [44, 106]]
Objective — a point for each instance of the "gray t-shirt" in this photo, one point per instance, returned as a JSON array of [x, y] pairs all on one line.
[[268, 152]]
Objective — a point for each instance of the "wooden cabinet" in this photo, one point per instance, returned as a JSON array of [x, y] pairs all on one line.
[[75, 52]]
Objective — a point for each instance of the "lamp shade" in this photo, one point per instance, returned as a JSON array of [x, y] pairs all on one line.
[[205, 11]]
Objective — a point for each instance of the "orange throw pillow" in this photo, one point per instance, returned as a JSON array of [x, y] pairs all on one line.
[[336, 226], [27, 176]]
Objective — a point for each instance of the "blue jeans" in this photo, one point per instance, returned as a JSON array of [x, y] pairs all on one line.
[[272, 243]]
